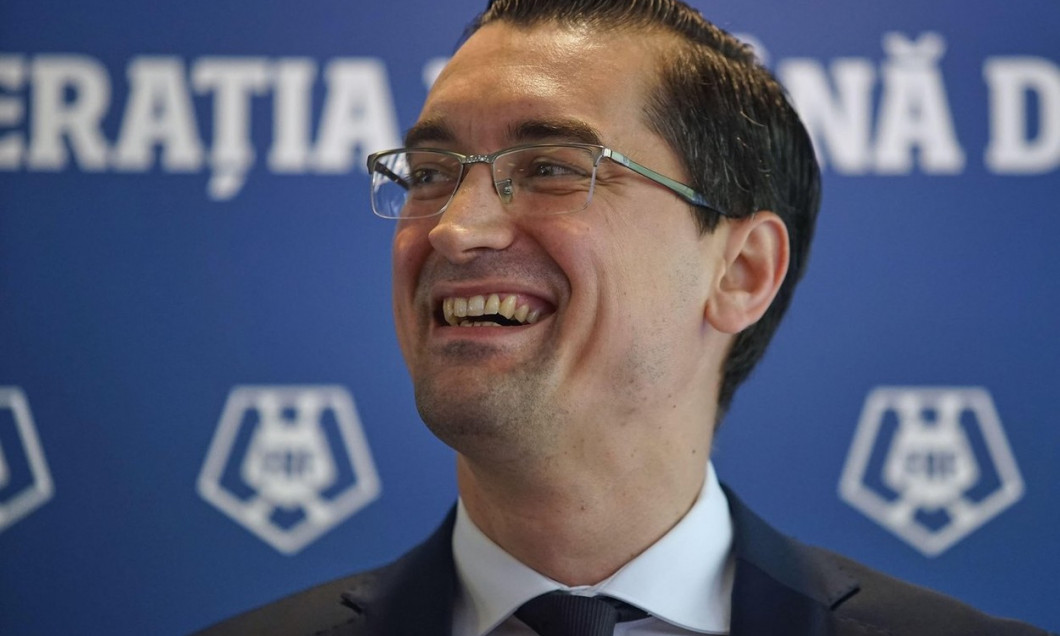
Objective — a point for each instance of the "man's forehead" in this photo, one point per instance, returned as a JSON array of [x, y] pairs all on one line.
[[510, 84]]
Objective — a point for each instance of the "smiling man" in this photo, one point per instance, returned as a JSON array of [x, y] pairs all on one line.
[[601, 214], [583, 435]]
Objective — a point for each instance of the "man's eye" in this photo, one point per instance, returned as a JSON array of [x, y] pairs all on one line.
[[427, 176]]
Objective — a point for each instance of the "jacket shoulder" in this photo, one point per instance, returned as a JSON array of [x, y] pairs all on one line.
[[811, 590], [883, 604], [402, 597], [321, 610]]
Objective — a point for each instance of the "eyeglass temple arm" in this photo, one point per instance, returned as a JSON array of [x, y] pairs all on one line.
[[680, 189]]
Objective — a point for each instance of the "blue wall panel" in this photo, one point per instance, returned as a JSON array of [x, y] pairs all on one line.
[[183, 212]]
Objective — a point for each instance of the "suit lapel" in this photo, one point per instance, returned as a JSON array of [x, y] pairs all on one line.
[[412, 596], [781, 586]]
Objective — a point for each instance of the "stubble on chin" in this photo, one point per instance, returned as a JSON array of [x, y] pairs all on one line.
[[492, 415]]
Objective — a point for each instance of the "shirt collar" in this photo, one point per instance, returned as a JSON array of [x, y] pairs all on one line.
[[685, 578]]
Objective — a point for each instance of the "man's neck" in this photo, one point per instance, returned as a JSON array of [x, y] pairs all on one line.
[[578, 522]]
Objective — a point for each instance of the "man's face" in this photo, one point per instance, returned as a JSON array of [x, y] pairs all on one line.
[[618, 288]]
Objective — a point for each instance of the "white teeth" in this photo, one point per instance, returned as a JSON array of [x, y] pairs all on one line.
[[507, 308], [455, 308], [479, 323], [493, 305]]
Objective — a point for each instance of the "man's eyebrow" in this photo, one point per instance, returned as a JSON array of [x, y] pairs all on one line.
[[428, 132], [436, 132], [554, 129]]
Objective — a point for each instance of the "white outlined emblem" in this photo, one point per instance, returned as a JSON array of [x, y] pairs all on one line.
[[25, 483], [930, 464], [289, 462]]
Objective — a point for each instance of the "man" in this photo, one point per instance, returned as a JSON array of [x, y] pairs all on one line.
[[602, 212]]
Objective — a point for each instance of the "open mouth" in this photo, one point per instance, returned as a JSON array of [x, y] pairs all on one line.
[[492, 310]]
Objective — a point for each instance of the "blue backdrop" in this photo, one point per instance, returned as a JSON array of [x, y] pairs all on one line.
[[203, 404]]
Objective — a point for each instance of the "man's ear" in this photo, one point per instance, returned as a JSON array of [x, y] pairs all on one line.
[[755, 262]]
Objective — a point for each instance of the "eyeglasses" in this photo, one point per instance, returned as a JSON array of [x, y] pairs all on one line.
[[531, 180]]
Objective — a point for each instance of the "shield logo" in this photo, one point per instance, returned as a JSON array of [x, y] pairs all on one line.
[[25, 483], [930, 464], [289, 463]]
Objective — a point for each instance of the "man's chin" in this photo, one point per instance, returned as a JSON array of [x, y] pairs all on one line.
[[475, 413]]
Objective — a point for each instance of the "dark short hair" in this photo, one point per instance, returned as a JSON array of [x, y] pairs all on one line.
[[727, 118]]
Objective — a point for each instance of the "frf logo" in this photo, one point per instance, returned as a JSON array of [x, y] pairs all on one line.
[[289, 462], [25, 483], [930, 464]]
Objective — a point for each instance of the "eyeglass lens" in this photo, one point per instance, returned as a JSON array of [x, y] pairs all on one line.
[[536, 180]]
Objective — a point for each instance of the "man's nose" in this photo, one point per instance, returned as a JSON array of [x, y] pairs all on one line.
[[474, 220]]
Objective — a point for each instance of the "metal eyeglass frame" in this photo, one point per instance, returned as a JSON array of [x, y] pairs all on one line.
[[685, 192]]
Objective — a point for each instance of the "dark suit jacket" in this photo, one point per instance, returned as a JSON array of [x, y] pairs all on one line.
[[782, 587]]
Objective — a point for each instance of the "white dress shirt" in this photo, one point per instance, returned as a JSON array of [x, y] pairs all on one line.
[[684, 580]]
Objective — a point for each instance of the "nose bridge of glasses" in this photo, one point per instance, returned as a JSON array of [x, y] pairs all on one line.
[[460, 190], [502, 185]]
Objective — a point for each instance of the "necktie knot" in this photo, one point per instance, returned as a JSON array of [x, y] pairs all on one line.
[[562, 614]]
